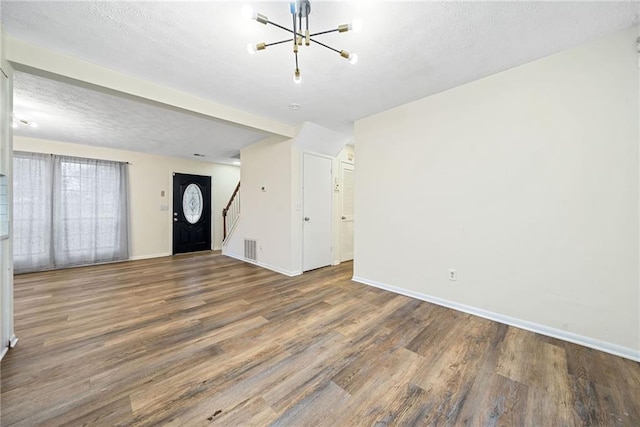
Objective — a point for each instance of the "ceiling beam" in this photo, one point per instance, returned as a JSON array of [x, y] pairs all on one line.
[[40, 61]]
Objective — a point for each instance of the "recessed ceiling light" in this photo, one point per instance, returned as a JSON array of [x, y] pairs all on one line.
[[18, 120], [294, 106], [237, 163], [198, 155]]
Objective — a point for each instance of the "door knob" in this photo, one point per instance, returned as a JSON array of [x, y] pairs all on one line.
[[344, 217], [175, 219], [306, 218]]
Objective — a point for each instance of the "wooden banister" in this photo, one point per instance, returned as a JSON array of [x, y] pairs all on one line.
[[225, 211]]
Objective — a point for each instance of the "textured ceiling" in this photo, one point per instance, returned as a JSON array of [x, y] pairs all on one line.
[[407, 50], [75, 114]]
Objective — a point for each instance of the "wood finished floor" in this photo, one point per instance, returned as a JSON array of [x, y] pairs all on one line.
[[208, 340]]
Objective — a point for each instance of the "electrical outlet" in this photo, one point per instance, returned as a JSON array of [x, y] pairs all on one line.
[[453, 275]]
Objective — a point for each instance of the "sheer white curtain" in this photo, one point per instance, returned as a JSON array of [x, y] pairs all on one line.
[[90, 211], [32, 177], [87, 205]]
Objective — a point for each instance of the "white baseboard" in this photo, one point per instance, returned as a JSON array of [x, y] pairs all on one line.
[[263, 265], [13, 341], [139, 257], [596, 344]]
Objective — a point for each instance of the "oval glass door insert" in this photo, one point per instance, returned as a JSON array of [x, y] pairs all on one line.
[[192, 203]]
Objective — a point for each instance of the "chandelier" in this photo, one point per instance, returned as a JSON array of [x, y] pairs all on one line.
[[300, 11]]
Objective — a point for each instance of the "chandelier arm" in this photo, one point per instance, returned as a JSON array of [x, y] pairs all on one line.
[[275, 43], [324, 45], [323, 32]]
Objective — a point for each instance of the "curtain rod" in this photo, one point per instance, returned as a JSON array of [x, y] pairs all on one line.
[[75, 157]]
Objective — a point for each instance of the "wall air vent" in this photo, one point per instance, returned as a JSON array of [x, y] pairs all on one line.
[[250, 249]]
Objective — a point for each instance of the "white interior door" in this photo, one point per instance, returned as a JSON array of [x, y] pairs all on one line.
[[346, 212], [316, 196]]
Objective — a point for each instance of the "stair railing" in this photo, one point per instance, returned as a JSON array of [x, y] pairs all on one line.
[[231, 213]]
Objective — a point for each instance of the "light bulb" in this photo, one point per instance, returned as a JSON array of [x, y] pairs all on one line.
[[351, 57], [248, 13], [355, 25], [297, 78], [252, 48]]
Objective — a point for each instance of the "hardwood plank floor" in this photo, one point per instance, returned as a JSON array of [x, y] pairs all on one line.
[[207, 340]]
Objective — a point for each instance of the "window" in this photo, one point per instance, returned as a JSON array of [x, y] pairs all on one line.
[[68, 211]]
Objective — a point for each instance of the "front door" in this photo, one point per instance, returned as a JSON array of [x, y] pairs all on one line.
[[191, 213], [316, 195]]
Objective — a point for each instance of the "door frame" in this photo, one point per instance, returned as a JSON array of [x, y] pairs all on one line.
[[8, 338], [349, 165]]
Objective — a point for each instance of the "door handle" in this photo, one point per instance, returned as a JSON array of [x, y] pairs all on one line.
[[306, 218], [344, 217]]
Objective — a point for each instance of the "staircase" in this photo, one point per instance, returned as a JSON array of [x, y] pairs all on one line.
[[231, 214]]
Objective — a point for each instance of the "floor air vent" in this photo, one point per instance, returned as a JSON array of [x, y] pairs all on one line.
[[250, 249]]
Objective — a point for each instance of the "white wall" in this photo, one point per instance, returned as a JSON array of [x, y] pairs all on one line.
[[526, 183], [151, 228]]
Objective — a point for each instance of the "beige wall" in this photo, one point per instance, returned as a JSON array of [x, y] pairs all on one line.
[[151, 228], [266, 214], [526, 183]]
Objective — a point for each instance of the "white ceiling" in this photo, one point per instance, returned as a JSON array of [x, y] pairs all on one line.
[[407, 50]]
